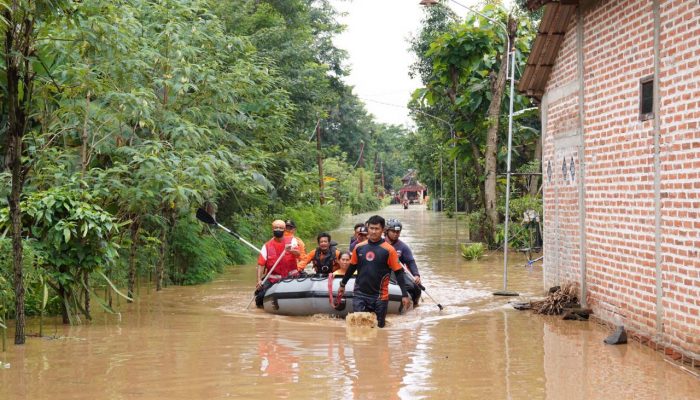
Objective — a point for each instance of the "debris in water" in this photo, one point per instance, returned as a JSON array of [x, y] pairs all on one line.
[[564, 297], [618, 337], [521, 305], [362, 319], [578, 314]]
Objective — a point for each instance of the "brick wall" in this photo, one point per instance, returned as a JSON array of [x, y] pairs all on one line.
[[620, 234], [680, 171]]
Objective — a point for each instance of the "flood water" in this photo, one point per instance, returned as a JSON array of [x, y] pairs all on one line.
[[200, 343]]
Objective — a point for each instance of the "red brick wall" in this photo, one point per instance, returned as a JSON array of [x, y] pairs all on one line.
[[680, 171], [618, 51]]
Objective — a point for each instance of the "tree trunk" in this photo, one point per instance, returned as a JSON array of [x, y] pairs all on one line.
[[18, 41], [164, 249], [84, 139], [319, 161], [134, 230], [535, 179], [86, 278], [491, 154], [476, 157], [160, 271]]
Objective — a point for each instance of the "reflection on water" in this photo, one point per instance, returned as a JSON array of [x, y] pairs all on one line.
[[200, 343]]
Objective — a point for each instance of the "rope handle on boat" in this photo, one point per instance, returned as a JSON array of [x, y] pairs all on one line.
[[331, 300]]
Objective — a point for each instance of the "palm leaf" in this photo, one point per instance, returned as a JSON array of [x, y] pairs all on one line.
[[114, 287]]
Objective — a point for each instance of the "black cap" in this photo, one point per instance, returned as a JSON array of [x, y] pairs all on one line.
[[290, 223], [362, 230]]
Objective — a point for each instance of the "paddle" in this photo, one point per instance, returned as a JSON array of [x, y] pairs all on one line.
[[205, 217], [408, 272], [268, 275], [208, 219]]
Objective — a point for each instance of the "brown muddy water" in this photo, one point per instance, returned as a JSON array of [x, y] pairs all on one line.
[[200, 343]]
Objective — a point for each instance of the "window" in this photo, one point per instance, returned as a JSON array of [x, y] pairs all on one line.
[[646, 98]]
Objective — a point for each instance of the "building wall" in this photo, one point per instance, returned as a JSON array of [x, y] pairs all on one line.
[[594, 113], [680, 171]]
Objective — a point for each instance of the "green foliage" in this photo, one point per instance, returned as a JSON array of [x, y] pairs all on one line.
[[72, 237], [313, 220], [473, 252], [458, 63], [198, 256], [519, 233], [141, 111], [364, 202]]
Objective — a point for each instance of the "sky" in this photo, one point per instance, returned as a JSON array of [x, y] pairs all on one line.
[[376, 38]]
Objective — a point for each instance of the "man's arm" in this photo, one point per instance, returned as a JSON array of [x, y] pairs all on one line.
[[305, 261], [260, 269], [407, 258], [393, 263], [400, 282]]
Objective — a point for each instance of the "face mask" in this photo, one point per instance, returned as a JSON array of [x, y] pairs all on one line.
[[278, 234]]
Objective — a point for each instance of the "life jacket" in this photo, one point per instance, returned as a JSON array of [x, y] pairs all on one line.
[[324, 266], [287, 264]]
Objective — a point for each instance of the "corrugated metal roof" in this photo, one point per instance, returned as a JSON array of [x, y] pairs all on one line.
[[550, 35]]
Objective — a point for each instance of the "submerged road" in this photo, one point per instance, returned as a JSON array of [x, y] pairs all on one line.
[[200, 343]]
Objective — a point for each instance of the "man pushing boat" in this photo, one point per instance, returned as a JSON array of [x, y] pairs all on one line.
[[374, 259]]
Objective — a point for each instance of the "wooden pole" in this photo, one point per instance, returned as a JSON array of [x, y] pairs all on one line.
[[319, 160], [360, 164]]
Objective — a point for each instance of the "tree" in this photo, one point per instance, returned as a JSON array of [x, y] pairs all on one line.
[[467, 81]]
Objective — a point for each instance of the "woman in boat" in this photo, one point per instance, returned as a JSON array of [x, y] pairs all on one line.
[[343, 262]]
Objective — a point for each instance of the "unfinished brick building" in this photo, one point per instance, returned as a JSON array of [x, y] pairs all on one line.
[[619, 89]]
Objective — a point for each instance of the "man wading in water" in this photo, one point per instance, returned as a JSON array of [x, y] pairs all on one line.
[[374, 260]]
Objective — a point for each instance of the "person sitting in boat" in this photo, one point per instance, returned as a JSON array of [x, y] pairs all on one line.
[[357, 227], [324, 257], [362, 233], [343, 263], [374, 259], [290, 229], [279, 250], [392, 234]]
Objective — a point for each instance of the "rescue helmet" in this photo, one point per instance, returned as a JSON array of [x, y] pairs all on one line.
[[393, 225]]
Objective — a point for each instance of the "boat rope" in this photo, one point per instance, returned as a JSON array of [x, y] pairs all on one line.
[[334, 303]]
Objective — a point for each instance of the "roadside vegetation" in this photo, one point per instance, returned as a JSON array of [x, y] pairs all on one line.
[[118, 118], [461, 114]]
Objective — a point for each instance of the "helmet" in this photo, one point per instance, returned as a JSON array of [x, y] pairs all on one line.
[[393, 225]]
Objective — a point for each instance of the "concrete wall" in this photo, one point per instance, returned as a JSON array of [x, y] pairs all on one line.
[[624, 189]]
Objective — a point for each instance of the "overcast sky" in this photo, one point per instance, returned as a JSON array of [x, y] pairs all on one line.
[[376, 38]]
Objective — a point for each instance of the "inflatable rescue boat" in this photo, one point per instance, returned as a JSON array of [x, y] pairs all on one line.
[[315, 294]]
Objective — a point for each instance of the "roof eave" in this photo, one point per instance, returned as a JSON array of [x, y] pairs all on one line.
[[550, 35]]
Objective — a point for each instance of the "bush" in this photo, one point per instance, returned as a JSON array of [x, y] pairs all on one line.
[[518, 233], [364, 202], [473, 252], [312, 220], [198, 257]]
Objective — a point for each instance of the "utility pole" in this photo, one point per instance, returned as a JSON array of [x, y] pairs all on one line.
[[360, 164], [381, 163], [319, 160]]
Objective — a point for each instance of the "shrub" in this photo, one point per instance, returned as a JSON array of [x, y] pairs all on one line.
[[198, 257], [473, 252], [364, 202]]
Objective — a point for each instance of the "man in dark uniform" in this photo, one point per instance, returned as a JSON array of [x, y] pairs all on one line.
[[374, 260], [392, 234]]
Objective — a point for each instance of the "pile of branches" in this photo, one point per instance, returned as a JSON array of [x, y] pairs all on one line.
[[564, 297]]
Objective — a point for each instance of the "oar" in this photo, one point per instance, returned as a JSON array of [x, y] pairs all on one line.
[[268, 275], [208, 219], [407, 271]]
